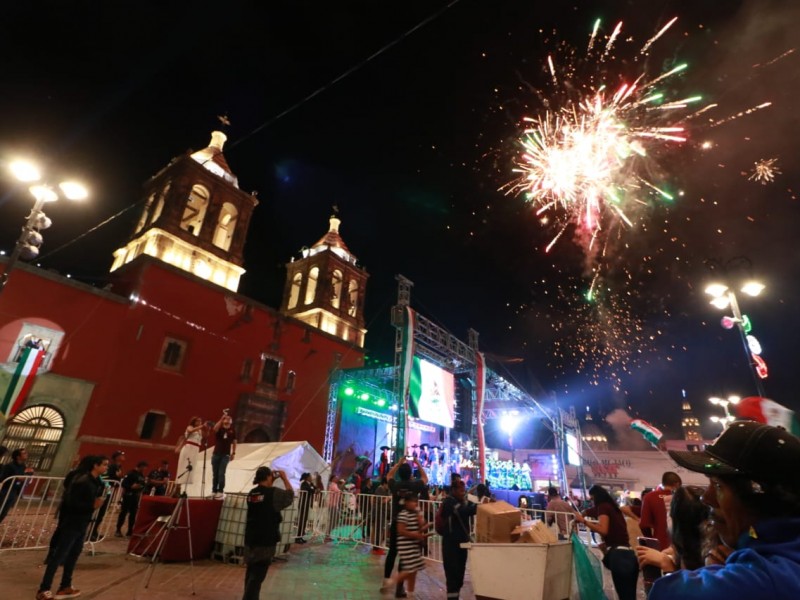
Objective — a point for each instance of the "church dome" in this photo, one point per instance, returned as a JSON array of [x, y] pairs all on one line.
[[213, 160]]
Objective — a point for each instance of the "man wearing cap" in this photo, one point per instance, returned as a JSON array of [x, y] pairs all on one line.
[[754, 497]]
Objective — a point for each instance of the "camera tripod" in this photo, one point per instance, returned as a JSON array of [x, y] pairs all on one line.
[[161, 529]]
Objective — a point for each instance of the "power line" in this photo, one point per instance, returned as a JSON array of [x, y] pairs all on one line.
[[348, 72], [282, 114]]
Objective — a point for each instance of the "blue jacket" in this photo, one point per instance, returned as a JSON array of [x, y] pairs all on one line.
[[766, 566]]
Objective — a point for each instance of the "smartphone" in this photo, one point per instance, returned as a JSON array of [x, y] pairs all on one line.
[[650, 572]]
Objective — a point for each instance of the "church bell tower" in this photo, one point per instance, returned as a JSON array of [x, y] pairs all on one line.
[[195, 217], [325, 288]]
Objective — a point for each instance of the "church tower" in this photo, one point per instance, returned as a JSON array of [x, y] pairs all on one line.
[[325, 288], [689, 423], [195, 217]]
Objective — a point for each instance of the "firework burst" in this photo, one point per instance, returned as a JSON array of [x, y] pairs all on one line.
[[588, 158], [765, 170]]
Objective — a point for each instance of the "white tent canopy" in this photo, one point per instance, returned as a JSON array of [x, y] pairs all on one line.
[[295, 458]]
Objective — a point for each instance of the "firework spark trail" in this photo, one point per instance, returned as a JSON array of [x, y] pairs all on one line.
[[613, 38], [552, 70], [776, 59], [741, 113], [656, 36], [593, 36]]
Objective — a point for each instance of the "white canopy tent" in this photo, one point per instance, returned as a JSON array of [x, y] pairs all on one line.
[[295, 458]]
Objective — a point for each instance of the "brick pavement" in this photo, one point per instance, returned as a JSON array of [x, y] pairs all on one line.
[[324, 571]]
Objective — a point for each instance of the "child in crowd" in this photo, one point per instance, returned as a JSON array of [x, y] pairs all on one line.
[[411, 534]]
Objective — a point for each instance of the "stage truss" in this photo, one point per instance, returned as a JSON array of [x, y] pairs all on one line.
[[445, 350]]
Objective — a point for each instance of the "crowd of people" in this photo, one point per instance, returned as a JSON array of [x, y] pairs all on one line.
[[740, 534]]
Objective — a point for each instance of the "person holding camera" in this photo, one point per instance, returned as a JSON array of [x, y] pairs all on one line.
[[262, 529]]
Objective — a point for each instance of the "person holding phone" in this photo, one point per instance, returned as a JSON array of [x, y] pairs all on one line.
[[753, 498], [688, 515]]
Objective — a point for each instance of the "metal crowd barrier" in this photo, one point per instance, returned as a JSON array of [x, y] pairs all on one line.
[[31, 515], [366, 518]]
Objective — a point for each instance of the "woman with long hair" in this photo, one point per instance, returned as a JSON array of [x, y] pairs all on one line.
[[192, 438], [688, 515], [618, 556]]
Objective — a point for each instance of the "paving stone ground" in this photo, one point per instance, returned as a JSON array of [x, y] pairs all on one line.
[[317, 570]]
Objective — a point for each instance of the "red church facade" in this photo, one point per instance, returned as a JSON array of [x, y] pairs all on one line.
[[128, 366]]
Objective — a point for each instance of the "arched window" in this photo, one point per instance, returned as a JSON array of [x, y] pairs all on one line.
[[160, 204], [336, 288], [352, 298], [145, 213], [311, 286], [38, 429], [294, 293], [195, 210], [226, 225]]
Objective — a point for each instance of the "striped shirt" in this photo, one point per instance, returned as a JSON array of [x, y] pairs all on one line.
[[409, 548]]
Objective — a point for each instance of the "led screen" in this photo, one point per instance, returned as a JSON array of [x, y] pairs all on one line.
[[573, 455], [432, 393]]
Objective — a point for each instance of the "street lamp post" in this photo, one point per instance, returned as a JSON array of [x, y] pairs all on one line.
[[27, 246], [724, 403], [723, 296]]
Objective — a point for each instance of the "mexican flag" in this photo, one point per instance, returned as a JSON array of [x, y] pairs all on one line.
[[21, 382], [764, 410], [649, 433]]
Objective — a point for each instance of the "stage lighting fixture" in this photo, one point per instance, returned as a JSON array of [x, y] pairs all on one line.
[[348, 391]]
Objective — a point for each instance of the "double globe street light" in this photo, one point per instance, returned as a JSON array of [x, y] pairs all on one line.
[[723, 297], [27, 246], [724, 403]]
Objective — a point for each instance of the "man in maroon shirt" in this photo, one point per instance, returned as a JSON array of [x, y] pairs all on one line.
[[655, 508]]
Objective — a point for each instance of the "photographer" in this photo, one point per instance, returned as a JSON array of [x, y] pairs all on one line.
[[262, 531]]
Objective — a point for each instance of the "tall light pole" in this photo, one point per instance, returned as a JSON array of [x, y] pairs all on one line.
[[723, 296], [27, 246], [724, 403]]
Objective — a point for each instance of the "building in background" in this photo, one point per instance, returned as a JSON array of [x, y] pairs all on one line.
[[168, 338]]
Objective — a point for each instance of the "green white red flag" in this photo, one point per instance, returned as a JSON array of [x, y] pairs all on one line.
[[764, 410], [21, 382]]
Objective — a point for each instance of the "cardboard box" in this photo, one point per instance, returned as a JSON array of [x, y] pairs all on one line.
[[495, 521], [534, 532]]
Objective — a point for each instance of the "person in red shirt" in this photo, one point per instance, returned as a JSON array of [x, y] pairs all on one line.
[[655, 508]]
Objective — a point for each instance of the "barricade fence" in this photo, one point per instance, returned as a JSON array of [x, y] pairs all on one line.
[[29, 516], [29, 512], [366, 519]]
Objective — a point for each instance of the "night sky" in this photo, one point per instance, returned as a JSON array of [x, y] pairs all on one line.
[[406, 117]]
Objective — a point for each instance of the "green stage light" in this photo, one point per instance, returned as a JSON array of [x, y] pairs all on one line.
[[348, 391], [364, 396], [380, 402]]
